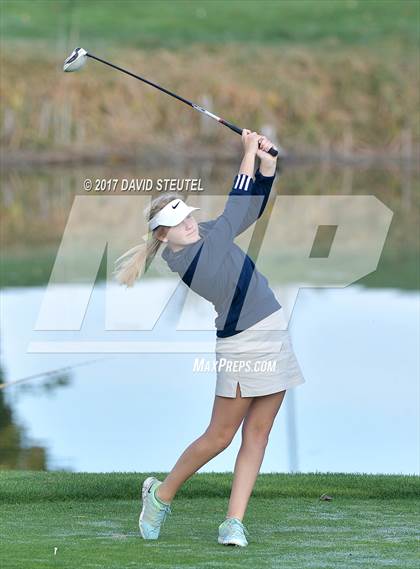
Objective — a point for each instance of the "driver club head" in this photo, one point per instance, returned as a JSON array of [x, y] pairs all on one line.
[[75, 60]]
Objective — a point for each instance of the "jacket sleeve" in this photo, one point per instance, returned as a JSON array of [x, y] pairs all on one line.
[[245, 204], [261, 188]]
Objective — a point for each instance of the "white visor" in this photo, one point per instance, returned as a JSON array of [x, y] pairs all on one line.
[[172, 214]]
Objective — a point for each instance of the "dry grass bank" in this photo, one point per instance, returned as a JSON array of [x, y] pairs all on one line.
[[347, 100]]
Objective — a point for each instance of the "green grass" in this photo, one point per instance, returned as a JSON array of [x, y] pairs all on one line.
[[179, 22], [30, 486], [92, 520], [285, 532]]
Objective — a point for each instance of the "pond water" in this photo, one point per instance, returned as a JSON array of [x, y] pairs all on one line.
[[103, 410]]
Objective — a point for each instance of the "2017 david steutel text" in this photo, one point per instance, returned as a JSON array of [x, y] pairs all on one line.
[[142, 185]]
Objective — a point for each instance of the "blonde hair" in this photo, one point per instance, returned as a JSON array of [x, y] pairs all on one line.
[[131, 262]]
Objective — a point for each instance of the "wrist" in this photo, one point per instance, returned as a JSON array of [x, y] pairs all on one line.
[[247, 165], [268, 168]]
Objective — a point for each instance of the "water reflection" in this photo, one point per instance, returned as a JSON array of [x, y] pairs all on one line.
[[16, 450], [36, 205]]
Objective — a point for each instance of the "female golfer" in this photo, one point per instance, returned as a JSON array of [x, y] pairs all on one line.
[[254, 354]]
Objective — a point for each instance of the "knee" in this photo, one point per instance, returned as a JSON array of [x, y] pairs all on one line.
[[255, 437], [219, 439]]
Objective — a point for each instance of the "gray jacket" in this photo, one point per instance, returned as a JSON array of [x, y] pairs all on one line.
[[218, 270]]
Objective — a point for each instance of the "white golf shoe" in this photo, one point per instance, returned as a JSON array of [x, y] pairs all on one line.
[[153, 512]]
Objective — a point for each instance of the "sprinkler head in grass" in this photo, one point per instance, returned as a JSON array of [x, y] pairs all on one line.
[[75, 60]]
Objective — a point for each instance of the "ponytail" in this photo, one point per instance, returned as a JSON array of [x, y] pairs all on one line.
[[140, 256], [134, 260]]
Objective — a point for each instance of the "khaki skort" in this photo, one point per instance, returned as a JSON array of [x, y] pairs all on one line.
[[261, 359]]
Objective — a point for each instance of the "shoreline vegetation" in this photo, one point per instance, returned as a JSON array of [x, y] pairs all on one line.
[[343, 106], [333, 81], [334, 84]]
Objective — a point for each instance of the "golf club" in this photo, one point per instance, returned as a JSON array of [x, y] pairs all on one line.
[[77, 60]]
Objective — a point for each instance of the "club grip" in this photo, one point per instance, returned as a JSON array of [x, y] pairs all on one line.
[[272, 150]]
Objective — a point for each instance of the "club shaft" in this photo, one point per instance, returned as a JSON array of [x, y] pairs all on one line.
[[233, 127], [141, 79]]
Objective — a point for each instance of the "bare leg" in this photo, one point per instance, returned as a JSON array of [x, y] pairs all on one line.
[[255, 432], [227, 415]]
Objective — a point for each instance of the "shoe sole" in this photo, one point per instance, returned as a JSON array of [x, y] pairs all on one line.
[[145, 488]]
